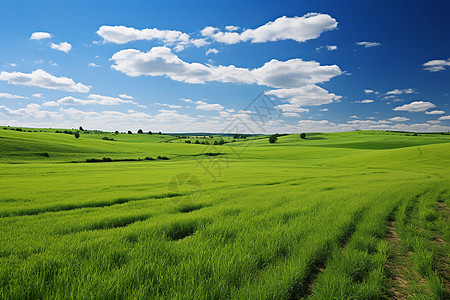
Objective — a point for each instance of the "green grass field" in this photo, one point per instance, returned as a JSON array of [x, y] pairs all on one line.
[[352, 215]]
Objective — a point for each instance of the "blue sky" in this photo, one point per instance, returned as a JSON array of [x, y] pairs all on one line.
[[194, 66]]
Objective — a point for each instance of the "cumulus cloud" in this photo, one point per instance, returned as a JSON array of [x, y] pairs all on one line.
[[368, 44], [169, 105], [436, 65], [93, 65], [444, 118], [37, 95], [231, 28], [435, 112], [125, 96], [64, 47], [202, 105], [212, 50], [324, 109], [160, 61], [40, 35], [42, 79], [186, 100], [122, 35], [365, 101], [398, 119], [299, 29], [309, 95], [91, 99], [399, 92], [11, 96], [415, 106], [331, 47]]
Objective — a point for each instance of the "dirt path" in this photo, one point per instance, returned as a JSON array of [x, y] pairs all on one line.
[[404, 280]]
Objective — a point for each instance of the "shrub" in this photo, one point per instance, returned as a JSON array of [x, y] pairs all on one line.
[[197, 142], [148, 158], [77, 135], [188, 142], [215, 143], [303, 135], [221, 142], [45, 154], [116, 132], [273, 139], [162, 157]]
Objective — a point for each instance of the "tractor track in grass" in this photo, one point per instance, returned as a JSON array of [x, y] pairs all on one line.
[[303, 288], [404, 280]]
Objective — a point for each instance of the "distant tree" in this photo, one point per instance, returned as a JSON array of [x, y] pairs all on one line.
[[140, 131], [197, 142], [215, 143], [159, 133], [206, 143], [221, 142], [150, 132], [130, 132], [273, 139], [81, 128], [77, 135], [203, 142], [188, 142], [116, 132], [303, 135]]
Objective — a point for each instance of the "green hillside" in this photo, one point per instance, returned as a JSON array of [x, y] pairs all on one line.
[[352, 215]]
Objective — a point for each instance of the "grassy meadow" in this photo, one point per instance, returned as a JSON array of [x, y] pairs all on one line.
[[352, 215]]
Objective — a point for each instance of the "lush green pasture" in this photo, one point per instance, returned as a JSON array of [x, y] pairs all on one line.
[[290, 220]]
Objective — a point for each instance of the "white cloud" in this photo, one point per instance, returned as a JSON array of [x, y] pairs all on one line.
[[93, 65], [231, 28], [415, 106], [299, 29], [11, 96], [398, 119], [201, 105], [291, 108], [399, 92], [324, 109], [122, 35], [169, 105], [290, 114], [40, 35], [354, 117], [12, 64], [37, 95], [91, 99], [331, 47], [436, 65], [186, 100], [309, 95], [435, 112], [212, 50], [365, 101], [368, 44], [436, 122], [125, 96], [444, 118], [42, 79], [367, 91], [160, 61], [64, 47]]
